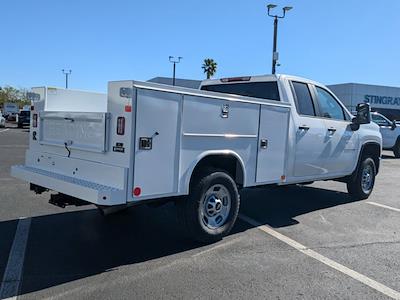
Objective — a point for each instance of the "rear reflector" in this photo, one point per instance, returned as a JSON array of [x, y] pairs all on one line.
[[232, 79], [137, 191], [34, 121], [128, 108], [121, 126]]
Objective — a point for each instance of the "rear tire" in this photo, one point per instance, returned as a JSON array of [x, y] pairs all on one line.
[[211, 209], [361, 185], [396, 149]]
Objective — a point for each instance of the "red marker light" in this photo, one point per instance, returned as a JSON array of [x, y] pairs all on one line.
[[137, 191], [128, 108]]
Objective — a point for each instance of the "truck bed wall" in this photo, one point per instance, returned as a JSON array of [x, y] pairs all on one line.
[[191, 127]]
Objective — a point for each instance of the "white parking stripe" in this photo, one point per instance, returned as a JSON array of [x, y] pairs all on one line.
[[13, 274], [384, 206], [311, 253], [4, 130]]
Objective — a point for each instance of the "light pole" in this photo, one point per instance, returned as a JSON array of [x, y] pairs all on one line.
[[275, 55], [175, 61], [66, 73]]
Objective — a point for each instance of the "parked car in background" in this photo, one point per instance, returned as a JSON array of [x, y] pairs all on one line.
[[2, 120], [23, 118], [390, 131]]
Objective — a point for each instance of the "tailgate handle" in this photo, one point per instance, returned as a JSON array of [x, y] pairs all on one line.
[[69, 119]]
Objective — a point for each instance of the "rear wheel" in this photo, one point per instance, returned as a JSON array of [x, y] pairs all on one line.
[[210, 211], [396, 149], [362, 184]]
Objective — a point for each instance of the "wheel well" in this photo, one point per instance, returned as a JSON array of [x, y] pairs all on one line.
[[226, 162], [372, 150]]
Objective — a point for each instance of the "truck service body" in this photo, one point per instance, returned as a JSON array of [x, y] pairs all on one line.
[[145, 141]]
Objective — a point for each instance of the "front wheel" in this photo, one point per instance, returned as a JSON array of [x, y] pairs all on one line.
[[210, 211], [361, 185], [396, 149]]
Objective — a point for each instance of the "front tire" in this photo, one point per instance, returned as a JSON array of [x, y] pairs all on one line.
[[396, 149], [361, 185], [211, 209]]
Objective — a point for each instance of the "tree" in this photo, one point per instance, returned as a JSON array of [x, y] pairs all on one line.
[[13, 95], [209, 67]]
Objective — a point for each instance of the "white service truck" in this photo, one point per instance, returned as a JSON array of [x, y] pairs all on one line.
[[10, 111], [149, 142], [390, 131]]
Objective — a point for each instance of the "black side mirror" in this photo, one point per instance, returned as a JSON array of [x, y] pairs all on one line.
[[363, 116], [394, 125]]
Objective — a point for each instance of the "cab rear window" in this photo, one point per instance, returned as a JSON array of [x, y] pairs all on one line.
[[265, 90]]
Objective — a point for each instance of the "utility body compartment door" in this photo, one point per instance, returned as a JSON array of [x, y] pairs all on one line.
[[272, 143], [157, 141]]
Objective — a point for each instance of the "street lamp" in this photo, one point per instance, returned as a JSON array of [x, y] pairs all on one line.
[[175, 61], [66, 73], [275, 54]]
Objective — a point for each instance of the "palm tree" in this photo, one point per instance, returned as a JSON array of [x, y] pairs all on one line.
[[209, 67]]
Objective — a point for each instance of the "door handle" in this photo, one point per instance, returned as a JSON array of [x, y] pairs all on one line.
[[304, 127], [332, 130]]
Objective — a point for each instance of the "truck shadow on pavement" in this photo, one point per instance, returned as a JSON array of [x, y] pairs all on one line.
[[75, 245]]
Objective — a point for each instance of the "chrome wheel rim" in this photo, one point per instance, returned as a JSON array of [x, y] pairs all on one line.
[[367, 179], [216, 206]]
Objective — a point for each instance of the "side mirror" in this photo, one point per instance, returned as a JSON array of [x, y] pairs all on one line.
[[394, 125], [363, 116]]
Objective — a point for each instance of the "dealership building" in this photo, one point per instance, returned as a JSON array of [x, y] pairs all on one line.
[[383, 99]]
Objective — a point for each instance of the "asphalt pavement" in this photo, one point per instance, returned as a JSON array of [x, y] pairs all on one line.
[[295, 242]]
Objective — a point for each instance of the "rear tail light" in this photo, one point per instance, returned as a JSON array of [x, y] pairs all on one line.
[[34, 121], [121, 126]]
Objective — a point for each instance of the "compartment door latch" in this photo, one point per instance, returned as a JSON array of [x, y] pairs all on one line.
[[263, 143]]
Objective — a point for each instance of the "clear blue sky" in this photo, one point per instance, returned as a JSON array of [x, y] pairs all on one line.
[[329, 41]]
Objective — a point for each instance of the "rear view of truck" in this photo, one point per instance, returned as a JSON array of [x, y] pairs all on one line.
[[78, 145]]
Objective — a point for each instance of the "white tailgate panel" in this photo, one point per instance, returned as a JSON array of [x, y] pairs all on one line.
[[156, 170], [274, 124], [85, 131]]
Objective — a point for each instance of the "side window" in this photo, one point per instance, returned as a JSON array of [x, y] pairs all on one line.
[[328, 105], [304, 102], [379, 120]]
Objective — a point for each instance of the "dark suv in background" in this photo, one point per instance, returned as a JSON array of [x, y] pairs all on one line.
[[24, 118]]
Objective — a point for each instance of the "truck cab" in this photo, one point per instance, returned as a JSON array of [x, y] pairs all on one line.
[[390, 131]]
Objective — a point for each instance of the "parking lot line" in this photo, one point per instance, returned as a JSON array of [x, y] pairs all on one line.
[[327, 261], [4, 130], [10, 284], [384, 206]]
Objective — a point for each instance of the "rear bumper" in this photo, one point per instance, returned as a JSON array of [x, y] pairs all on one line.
[[89, 191]]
